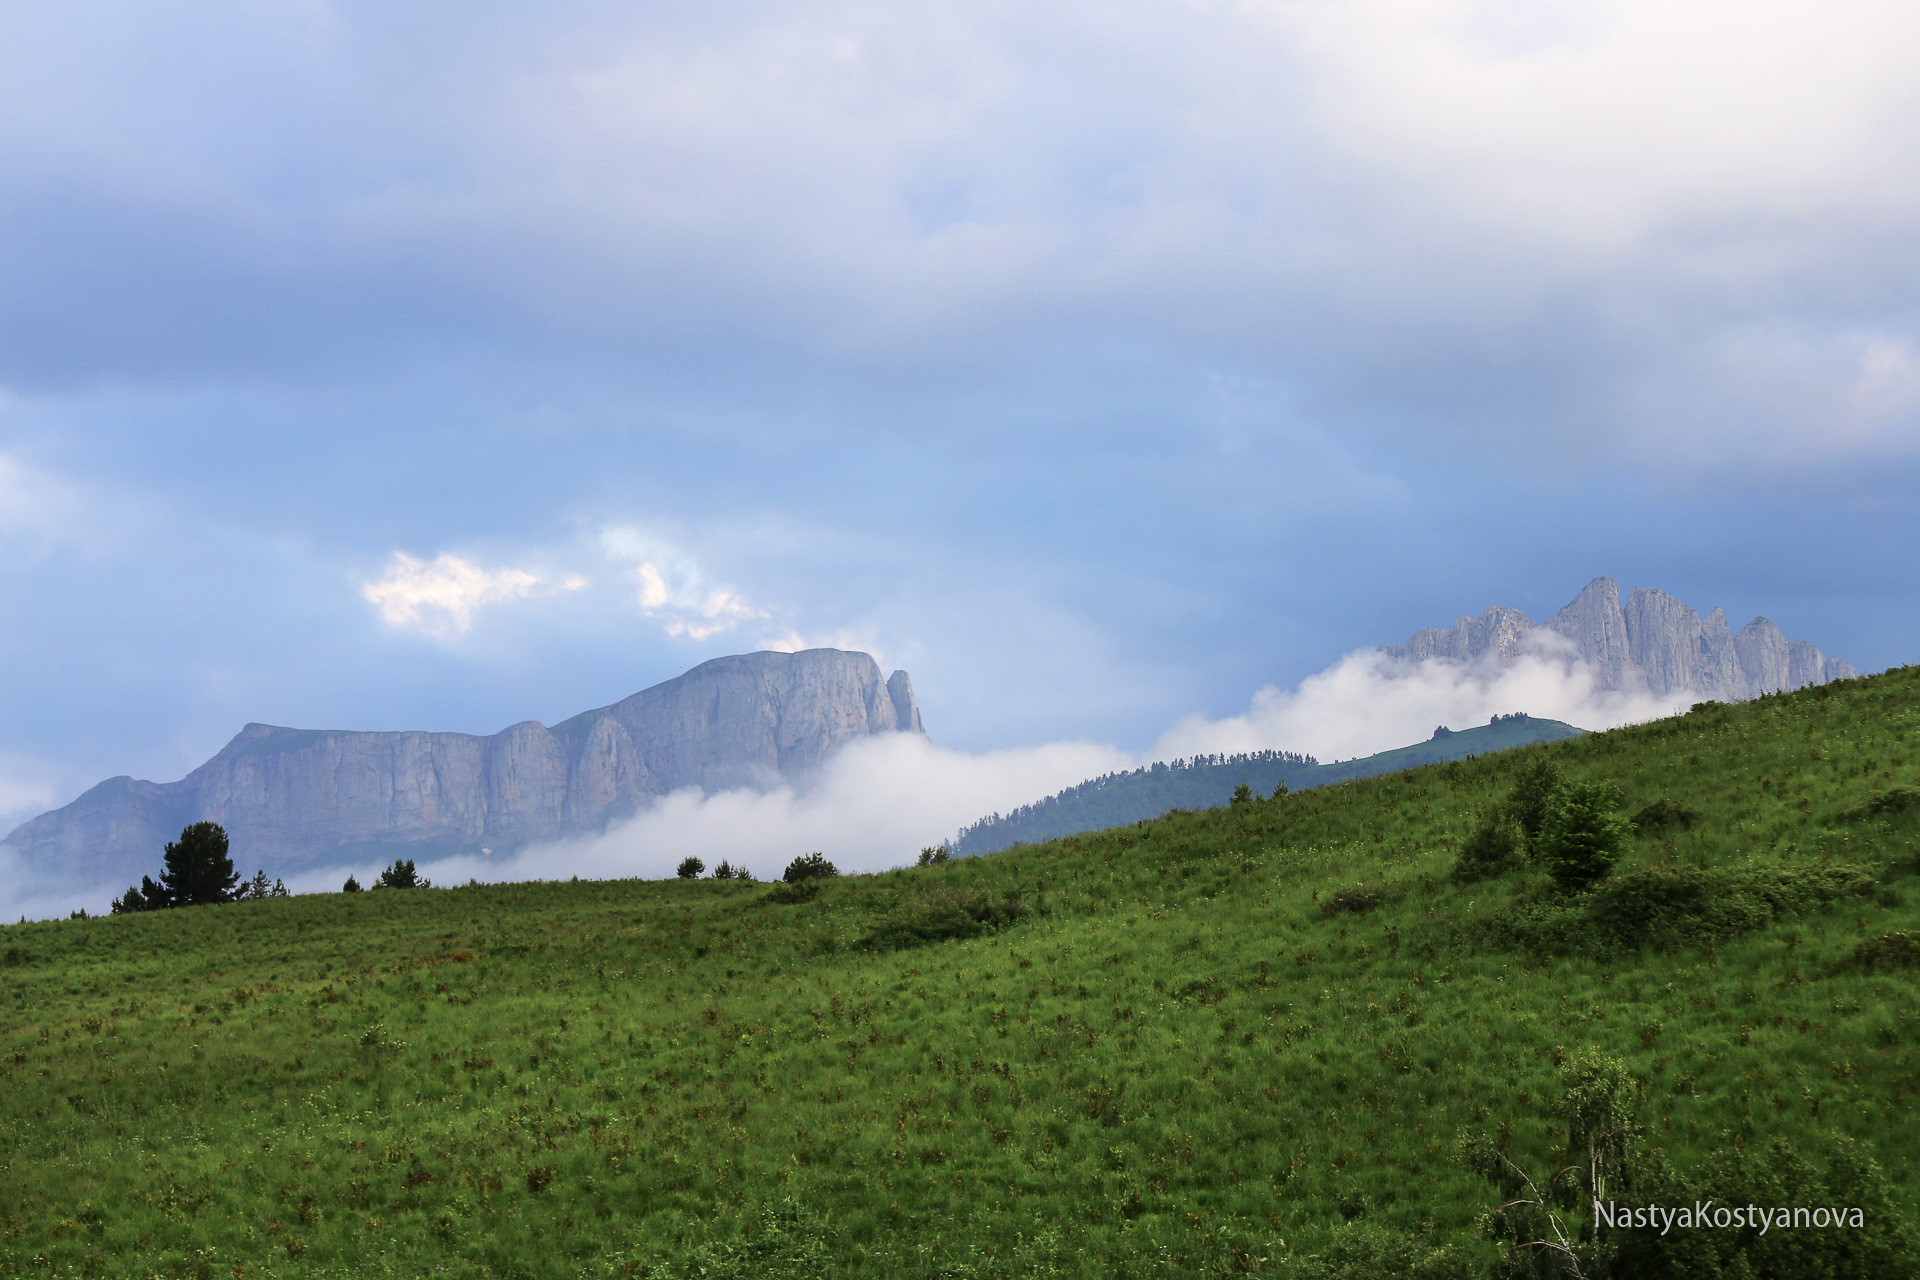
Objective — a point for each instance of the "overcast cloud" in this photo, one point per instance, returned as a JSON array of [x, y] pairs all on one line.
[[433, 366]]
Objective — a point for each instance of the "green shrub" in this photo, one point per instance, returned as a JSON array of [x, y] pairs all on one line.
[[1774, 1175], [1495, 846], [1885, 805], [934, 855], [794, 894], [1359, 899], [1535, 793], [809, 866], [1898, 950], [1666, 907], [1582, 836], [690, 868], [945, 917], [1662, 814]]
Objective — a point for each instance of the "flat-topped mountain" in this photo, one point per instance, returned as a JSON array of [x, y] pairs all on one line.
[[292, 798], [1653, 643]]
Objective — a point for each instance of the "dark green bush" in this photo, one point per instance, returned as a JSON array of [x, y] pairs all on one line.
[[1900, 950], [690, 868], [944, 917], [1662, 814], [809, 866], [795, 894], [1495, 846], [1886, 805], [1359, 899], [1535, 794], [1582, 835], [1663, 908], [1777, 1174]]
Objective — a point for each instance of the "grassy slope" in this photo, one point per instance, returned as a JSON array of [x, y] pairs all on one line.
[[1120, 798], [560, 1079]]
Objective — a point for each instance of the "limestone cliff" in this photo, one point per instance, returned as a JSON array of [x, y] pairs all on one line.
[[291, 798], [1653, 643]]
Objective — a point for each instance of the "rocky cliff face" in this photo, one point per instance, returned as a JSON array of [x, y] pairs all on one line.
[[1653, 642], [291, 798]]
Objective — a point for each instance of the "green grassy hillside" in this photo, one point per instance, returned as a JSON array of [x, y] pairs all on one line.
[[1245, 1040], [1202, 782]]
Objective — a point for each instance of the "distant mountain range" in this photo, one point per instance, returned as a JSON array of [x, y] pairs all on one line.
[[296, 798], [1204, 782], [1653, 644]]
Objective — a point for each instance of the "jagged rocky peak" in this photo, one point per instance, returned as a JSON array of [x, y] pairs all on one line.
[[298, 797], [1652, 643]]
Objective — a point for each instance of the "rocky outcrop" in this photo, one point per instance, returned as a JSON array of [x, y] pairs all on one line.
[[1654, 643], [291, 798]]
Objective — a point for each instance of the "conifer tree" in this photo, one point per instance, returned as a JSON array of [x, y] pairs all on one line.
[[198, 869]]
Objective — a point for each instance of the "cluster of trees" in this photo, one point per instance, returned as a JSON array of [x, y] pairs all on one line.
[[401, 875], [1574, 828], [693, 868], [808, 866], [197, 869]]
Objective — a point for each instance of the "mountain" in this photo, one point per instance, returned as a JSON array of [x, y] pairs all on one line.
[[294, 798], [1654, 643], [1204, 782]]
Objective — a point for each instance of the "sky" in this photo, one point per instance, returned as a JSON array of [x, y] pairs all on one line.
[[413, 365]]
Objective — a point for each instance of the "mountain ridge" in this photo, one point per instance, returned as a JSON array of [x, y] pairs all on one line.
[[296, 798], [1653, 643]]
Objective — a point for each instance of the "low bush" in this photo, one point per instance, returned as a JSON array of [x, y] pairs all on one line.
[[945, 917], [1359, 899], [1885, 805], [1662, 908], [1899, 950], [794, 894], [1662, 815], [1496, 846]]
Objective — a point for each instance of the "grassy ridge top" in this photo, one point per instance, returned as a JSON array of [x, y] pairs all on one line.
[[1202, 782], [1168, 1057]]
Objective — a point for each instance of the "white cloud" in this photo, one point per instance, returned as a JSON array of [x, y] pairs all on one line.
[[874, 805], [1370, 702], [440, 597], [673, 590]]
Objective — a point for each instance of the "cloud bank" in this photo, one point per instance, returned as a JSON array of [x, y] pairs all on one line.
[[1371, 702], [880, 800]]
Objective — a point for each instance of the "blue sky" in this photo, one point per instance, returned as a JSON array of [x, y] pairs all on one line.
[[441, 366]]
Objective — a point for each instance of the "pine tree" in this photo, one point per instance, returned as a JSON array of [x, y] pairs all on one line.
[[198, 869]]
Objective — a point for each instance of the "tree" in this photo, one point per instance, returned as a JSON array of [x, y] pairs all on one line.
[[255, 889], [1242, 795], [727, 871], [146, 896], [401, 875], [1533, 797], [198, 869], [690, 868], [1583, 836], [351, 886], [1280, 790], [931, 856], [810, 866], [1548, 1226]]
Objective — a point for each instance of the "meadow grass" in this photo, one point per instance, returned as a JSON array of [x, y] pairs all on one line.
[[1190, 1046]]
